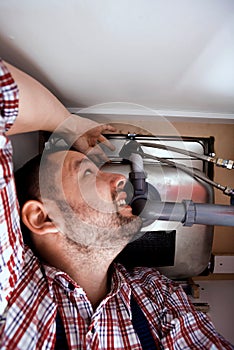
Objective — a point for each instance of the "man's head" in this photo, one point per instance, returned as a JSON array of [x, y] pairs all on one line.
[[65, 193]]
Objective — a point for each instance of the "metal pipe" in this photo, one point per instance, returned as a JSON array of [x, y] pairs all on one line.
[[214, 214], [186, 212]]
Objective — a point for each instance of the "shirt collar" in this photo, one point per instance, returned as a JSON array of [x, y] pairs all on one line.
[[118, 282], [120, 285], [61, 278]]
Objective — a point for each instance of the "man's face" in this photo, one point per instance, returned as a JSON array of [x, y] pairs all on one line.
[[91, 203]]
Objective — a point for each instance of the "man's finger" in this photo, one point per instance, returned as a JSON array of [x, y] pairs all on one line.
[[102, 139], [98, 154]]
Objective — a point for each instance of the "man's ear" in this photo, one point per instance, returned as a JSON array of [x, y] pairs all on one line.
[[35, 217]]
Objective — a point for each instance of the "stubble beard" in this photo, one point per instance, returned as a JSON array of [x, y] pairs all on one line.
[[87, 227]]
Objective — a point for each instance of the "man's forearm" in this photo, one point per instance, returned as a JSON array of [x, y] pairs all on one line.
[[39, 109]]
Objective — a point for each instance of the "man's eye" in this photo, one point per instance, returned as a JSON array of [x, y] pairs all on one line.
[[88, 172]]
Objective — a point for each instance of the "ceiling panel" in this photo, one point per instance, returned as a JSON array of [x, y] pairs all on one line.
[[173, 56]]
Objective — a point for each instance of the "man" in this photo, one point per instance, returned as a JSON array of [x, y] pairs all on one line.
[[62, 289], [78, 220]]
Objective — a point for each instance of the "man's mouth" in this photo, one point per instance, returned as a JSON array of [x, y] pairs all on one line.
[[121, 203], [120, 199], [122, 207]]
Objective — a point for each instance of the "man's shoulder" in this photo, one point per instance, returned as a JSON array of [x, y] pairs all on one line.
[[31, 280]]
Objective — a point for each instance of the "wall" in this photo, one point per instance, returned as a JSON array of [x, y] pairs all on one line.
[[25, 147]]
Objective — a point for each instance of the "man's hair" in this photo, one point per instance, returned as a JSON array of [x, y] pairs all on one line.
[[27, 181], [27, 187]]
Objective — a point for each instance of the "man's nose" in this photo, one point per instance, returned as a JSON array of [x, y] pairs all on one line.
[[116, 180], [120, 181]]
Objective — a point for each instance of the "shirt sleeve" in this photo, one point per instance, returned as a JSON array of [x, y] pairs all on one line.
[[183, 327], [11, 242]]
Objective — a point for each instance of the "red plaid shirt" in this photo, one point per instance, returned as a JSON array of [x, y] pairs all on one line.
[[33, 293], [11, 245]]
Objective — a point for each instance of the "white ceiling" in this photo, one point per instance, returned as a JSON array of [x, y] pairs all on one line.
[[173, 56]]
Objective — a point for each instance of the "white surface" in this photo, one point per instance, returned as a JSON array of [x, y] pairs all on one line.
[[173, 56], [223, 264], [219, 295]]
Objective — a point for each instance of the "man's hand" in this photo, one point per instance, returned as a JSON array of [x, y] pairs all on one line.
[[88, 143], [85, 135]]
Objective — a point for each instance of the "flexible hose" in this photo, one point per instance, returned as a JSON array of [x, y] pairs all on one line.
[[224, 163], [193, 172]]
